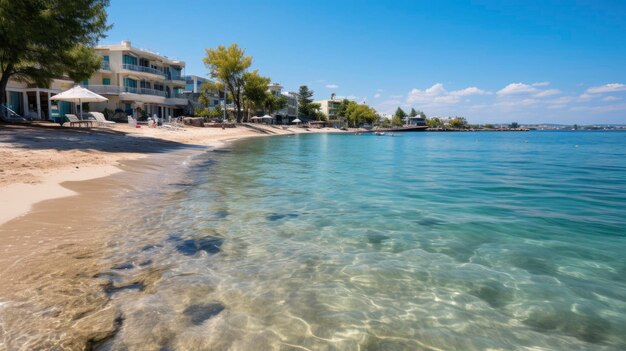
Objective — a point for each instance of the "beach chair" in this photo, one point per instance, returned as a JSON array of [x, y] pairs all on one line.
[[132, 122], [100, 119], [75, 121]]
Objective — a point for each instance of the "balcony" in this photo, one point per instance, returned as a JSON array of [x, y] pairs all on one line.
[[144, 69], [105, 66], [172, 76], [103, 89], [115, 90]]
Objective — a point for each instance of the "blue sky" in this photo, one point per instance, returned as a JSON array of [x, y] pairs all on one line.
[[490, 61]]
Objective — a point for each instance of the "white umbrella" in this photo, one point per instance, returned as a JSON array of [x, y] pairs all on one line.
[[255, 117], [267, 117], [79, 95], [296, 121]]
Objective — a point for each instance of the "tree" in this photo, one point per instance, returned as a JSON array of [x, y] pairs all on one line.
[[359, 114], [255, 90], [458, 122], [207, 93], [514, 125], [400, 113], [305, 107], [434, 122], [413, 113], [228, 65], [274, 103], [42, 40]]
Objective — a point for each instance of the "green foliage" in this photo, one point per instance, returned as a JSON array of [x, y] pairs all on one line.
[[434, 122], [386, 123], [413, 113], [274, 103], [306, 107], [514, 125], [228, 65], [358, 114], [45, 39], [208, 91], [255, 90], [422, 114], [216, 112], [488, 126], [458, 123], [399, 113]]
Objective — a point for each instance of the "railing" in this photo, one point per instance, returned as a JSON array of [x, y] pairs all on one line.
[[104, 89], [105, 65], [142, 69], [152, 92], [177, 96], [172, 76], [115, 90]]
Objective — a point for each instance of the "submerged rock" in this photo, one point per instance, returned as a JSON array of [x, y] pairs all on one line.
[[190, 247], [198, 313], [276, 216]]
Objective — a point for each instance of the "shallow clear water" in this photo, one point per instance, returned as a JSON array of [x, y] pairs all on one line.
[[430, 241]]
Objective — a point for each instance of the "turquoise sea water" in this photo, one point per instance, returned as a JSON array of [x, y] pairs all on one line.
[[424, 241]]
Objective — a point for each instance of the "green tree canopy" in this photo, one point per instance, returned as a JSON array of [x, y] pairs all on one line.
[[458, 122], [358, 114], [306, 107], [274, 103], [255, 90], [44, 39], [228, 65], [399, 113], [413, 113]]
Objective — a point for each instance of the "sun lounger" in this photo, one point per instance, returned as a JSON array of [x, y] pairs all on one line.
[[132, 122], [74, 120], [100, 119]]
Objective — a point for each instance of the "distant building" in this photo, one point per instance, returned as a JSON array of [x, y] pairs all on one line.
[[289, 112], [415, 121], [138, 82], [329, 107], [193, 87]]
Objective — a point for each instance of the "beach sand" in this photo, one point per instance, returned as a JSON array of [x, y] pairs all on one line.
[[52, 243]]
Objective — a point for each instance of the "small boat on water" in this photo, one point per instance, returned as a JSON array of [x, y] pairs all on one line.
[[379, 133]]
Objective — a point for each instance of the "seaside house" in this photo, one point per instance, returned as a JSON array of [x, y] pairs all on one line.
[[290, 111], [34, 102], [138, 82], [192, 89], [329, 107]]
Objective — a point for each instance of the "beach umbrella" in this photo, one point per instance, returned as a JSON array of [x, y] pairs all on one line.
[[267, 117], [296, 121], [78, 95]]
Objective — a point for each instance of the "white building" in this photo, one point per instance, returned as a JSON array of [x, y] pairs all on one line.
[[290, 111], [34, 102], [329, 107], [138, 82]]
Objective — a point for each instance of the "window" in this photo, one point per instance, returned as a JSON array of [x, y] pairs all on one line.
[[106, 81], [129, 60], [85, 82], [131, 83], [105, 58]]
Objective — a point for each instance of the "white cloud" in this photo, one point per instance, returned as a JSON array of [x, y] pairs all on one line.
[[585, 97], [541, 84], [332, 86], [376, 96], [517, 88], [438, 95], [607, 88], [468, 91], [611, 98], [549, 92]]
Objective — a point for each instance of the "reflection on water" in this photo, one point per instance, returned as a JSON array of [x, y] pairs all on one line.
[[339, 242]]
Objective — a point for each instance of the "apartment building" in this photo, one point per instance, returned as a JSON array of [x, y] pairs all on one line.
[[138, 82], [290, 111], [329, 107]]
